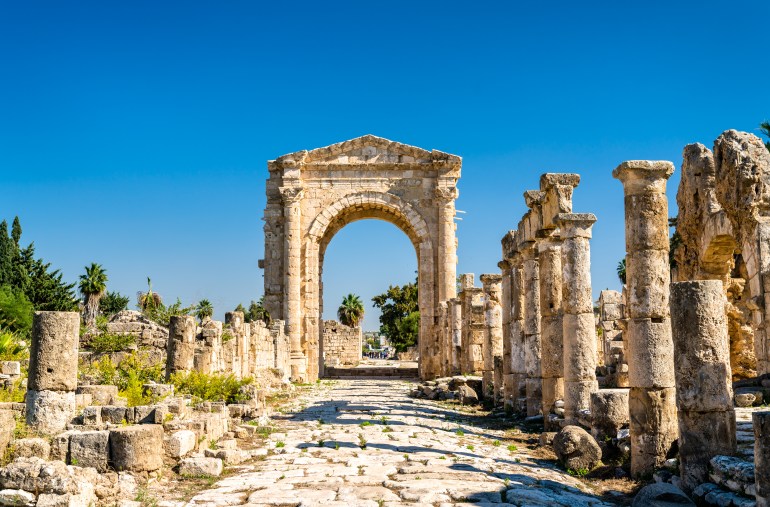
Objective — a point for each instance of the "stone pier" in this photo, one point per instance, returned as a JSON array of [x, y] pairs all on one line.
[[492, 349], [761, 422], [180, 355], [652, 406], [704, 394], [579, 328], [53, 370]]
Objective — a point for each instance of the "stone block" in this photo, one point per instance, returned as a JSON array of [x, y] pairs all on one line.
[[83, 401], [647, 223], [647, 272], [90, 449], [100, 394], [201, 467], [60, 446], [31, 448], [703, 435], [661, 495], [576, 449], [137, 448], [650, 353], [158, 391], [92, 416], [49, 411], [149, 414], [180, 443], [114, 414], [609, 412], [653, 427], [53, 362], [7, 426], [17, 498], [12, 368], [579, 347]]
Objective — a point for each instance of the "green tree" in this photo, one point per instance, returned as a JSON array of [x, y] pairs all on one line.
[[204, 310], [15, 311], [112, 303], [255, 312], [351, 311], [764, 127], [92, 286], [397, 304]]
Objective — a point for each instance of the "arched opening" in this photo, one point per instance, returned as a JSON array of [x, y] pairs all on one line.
[[353, 208], [363, 258]]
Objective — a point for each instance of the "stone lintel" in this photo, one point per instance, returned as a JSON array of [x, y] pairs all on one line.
[[491, 278], [549, 180], [575, 225], [649, 170]]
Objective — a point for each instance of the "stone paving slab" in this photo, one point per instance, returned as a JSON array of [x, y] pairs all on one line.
[[365, 443]]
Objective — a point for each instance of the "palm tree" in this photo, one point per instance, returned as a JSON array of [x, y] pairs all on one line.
[[149, 300], [351, 311], [764, 127], [621, 269], [204, 310], [92, 286]]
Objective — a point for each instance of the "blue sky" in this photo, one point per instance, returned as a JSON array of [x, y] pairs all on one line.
[[136, 134]]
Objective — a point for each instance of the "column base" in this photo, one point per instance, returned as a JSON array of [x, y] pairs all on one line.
[[298, 363]]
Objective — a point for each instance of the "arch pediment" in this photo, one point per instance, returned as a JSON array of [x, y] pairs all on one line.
[[367, 150]]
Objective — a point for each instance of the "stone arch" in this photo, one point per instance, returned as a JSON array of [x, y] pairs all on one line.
[[351, 208], [313, 194]]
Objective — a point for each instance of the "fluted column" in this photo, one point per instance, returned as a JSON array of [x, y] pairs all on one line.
[[292, 197], [579, 328], [652, 406]]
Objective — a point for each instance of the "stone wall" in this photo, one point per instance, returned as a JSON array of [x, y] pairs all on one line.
[[341, 344]]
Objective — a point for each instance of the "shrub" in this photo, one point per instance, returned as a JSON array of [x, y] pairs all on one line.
[[111, 342], [129, 374], [211, 387], [12, 347], [15, 311]]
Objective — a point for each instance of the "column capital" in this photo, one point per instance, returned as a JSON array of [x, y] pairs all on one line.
[[644, 175], [528, 251], [491, 278], [533, 197], [291, 194], [466, 281], [575, 225], [445, 195]]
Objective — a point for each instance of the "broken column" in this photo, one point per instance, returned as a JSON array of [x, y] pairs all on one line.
[[652, 407], [53, 370], [579, 327], [493, 333], [180, 351], [704, 394], [761, 422]]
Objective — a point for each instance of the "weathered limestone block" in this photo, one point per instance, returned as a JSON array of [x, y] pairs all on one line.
[[703, 435], [10, 368], [761, 422], [180, 354], [90, 449], [92, 416], [60, 446], [609, 412], [49, 411], [114, 414], [31, 448], [148, 414], [7, 425], [17, 498], [180, 443], [201, 467], [650, 353], [53, 362], [576, 449], [653, 426], [137, 448], [100, 394], [661, 494]]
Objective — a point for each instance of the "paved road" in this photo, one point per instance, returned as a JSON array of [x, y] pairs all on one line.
[[366, 443]]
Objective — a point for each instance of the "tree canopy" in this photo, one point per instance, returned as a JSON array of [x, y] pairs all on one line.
[[351, 311], [400, 318]]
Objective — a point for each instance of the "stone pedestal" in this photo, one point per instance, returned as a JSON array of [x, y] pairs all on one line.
[[650, 348], [53, 370], [579, 329], [704, 393]]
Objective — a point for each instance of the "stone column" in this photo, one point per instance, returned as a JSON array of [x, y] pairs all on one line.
[[652, 406], [53, 370], [443, 342], [292, 197], [704, 393], [532, 339], [505, 367], [552, 355], [180, 349], [579, 327], [761, 422], [518, 339], [493, 332], [447, 247], [456, 330]]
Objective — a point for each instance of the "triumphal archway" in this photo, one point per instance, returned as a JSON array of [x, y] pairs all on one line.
[[311, 195]]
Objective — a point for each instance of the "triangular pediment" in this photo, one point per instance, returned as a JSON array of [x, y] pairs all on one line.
[[367, 149]]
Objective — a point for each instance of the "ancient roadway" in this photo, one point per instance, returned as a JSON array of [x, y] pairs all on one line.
[[366, 443]]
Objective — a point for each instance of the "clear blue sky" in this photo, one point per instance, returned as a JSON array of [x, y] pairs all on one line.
[[136, 134]]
